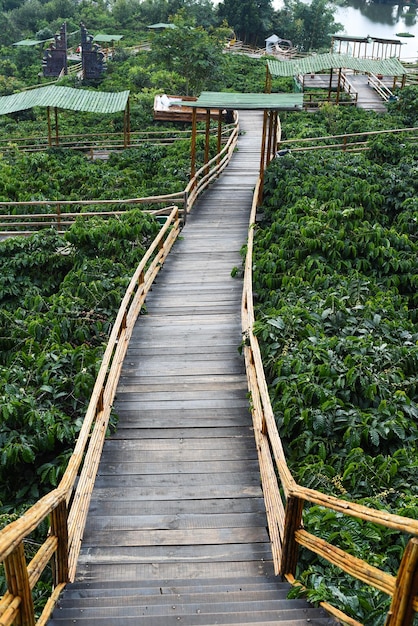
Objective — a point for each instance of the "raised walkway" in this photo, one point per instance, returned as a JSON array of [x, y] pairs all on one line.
[[176, 531]]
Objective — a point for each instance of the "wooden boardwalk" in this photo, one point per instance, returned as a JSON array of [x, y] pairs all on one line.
[[176, 531]]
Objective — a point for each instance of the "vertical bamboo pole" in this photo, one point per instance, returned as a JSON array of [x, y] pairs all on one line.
[[330, 85], [270, 138], [275, 129], [193, 144], [18, 585], [127, 125], [59, 528], [401, 611], [48, 112], [207, 138], [219, 136], [338, 86], [262, 155], [56, 126], [293, 521]]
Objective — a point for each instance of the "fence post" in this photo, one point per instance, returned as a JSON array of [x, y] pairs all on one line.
[[401, 611], [18, 585], [59, 528], [292, 523]]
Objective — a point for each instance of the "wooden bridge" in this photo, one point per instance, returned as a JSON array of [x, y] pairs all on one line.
[[177, 530], [195, 517]]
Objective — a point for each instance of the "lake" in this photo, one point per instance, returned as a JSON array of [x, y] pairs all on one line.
[[378, 19]]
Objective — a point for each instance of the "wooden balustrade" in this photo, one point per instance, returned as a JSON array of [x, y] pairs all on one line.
[[284, 512], [66, 506], [55, 213], [349, 142]]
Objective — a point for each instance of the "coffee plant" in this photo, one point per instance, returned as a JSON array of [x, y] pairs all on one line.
[[335, 278]]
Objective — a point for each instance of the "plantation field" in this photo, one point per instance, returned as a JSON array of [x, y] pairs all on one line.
[[336, 277]]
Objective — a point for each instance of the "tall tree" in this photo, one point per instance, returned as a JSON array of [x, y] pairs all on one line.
[[308, 26], [250, 19], [191, 52]]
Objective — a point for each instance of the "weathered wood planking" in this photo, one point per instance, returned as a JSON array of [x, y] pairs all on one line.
[[177, 506]]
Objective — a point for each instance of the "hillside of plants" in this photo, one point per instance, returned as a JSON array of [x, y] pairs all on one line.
[[336, 283], [335, 267]]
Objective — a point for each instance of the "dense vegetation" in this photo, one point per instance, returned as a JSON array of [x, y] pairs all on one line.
[[336, 277], [335, 271], [309, 26], [58, 299]]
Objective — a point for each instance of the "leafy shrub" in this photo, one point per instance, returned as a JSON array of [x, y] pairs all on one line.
[[335, 278]]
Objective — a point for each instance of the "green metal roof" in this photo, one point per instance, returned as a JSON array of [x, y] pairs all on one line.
[[65, 98], [247, 101], [107, 38], [162, 25], [31, 42], [321, 62]]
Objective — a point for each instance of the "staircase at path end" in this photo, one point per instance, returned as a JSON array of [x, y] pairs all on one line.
[[259, 600]]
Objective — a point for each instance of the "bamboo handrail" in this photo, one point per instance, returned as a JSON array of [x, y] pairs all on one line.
[[300, 144], [26, 223], [67, 505], [63, 540], [286, 531]]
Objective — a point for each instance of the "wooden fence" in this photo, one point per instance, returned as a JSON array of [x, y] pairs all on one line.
[[351, 142], [285, 499], [65, 509], [61, 214], [97, 143]]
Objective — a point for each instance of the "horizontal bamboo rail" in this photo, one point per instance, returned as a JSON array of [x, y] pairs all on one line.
[[14, 222], [348, 142], [91, 142], [66, 506], [284, 512]]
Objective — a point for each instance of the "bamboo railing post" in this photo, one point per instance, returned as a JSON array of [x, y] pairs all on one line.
[[263, 153], [18, 585], [48, 112], [292, 523], [207, 138], [193, 144], [57, 139], [401, 611], [59, 528], [219, 136]]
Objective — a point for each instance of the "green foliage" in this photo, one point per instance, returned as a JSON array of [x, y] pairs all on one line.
[[335, 276], [250, 19], [406, 104], [180, 49], [308, 25], [58, 300]]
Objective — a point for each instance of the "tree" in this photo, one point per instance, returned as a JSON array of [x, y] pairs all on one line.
[[191, 52], [250, 19], [308, 26]]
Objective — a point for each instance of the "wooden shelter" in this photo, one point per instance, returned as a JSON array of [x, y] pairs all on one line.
[[366, 47], [331, 62], [271, 104], [172, 109], [57, 97]]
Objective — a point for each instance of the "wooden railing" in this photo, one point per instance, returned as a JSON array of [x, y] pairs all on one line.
[[383, 90], [354, 142], [53, 213], [285, 499], [65, 508], [94, 142]]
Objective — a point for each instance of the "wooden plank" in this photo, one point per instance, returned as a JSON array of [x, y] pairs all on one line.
[[206, 507]]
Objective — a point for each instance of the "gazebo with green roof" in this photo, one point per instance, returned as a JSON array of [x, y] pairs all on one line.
[[269, 103]]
